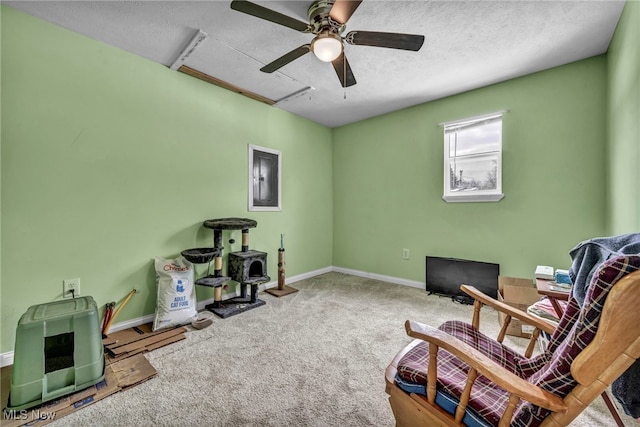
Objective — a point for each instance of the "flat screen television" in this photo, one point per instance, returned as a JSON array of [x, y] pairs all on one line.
[[445, 275]]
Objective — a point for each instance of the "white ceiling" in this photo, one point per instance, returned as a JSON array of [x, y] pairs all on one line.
[[468, 44]]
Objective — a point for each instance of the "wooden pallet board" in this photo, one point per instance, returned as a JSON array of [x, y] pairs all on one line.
[[141, 339], [129, 335]]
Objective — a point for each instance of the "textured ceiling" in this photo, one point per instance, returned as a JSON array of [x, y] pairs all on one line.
[[468, 44]]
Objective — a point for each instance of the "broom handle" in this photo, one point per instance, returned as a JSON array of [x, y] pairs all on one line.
[[126, 300]]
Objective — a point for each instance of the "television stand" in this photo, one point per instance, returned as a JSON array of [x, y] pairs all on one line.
[[463, 299]]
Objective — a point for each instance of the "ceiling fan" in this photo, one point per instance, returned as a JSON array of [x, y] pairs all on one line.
[[327, 21]]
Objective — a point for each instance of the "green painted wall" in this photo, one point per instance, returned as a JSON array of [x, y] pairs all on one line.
[[624, 123], [388, 179], [109, 160]]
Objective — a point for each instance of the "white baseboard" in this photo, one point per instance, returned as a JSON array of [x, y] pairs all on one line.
[[6, 359], [381, 277], [302, 276]]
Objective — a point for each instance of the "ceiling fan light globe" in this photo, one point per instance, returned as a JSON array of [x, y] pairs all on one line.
[[326, 49]]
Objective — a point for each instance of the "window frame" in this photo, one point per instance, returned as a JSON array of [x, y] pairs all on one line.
[[492, 195]]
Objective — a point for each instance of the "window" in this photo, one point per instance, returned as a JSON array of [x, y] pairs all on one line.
[[473, 159]]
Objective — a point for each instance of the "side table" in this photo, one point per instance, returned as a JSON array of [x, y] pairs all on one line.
[[544, 288]]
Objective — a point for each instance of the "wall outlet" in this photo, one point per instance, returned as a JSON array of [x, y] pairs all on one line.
[[70, 288], [405, 253]]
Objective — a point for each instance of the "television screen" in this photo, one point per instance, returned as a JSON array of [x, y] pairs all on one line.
[[445, 275]]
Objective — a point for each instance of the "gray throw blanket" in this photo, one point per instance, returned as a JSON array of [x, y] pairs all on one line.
[[586, 257]]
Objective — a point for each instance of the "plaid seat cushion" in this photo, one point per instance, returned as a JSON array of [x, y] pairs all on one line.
[[551, 370], [487, 399]]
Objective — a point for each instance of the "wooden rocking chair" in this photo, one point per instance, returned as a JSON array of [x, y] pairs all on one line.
[[455, 375]]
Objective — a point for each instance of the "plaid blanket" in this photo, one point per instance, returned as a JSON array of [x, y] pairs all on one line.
[[551, 370], [588, 255]]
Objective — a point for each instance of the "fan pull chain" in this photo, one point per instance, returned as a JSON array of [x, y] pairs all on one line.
[[344, 75]]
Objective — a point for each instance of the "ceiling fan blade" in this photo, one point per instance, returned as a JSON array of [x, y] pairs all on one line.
[[269, 15], [391, 40], [343, 70], [286, 58], [343, 9]]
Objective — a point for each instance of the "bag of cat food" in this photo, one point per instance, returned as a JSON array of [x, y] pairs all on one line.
[[176, 303]]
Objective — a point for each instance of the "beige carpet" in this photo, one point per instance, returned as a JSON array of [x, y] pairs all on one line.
[[313, 358]]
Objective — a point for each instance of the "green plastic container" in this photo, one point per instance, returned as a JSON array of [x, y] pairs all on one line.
[[58, 352]]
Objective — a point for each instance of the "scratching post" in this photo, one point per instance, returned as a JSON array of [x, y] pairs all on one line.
[[282, 289], [280, 269], [217, 269], [245, 239]]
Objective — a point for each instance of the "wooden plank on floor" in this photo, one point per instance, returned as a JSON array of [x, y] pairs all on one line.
[[117, 350]]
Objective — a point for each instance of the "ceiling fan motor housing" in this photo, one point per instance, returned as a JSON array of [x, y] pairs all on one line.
[[319, 19]]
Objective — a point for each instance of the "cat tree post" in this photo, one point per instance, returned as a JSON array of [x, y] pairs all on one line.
[[282, 289], [280, 269]]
